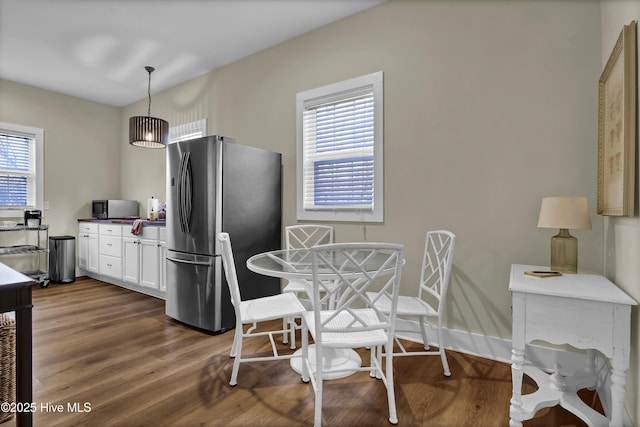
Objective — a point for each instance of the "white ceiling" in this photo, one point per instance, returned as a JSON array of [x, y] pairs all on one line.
[[97, 49]]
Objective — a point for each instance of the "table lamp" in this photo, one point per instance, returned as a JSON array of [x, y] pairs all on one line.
[[564, 213]]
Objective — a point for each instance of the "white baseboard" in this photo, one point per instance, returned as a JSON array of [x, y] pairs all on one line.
[[499, 349]]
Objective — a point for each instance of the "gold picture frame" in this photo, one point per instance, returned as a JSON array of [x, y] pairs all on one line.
[[617, 127]]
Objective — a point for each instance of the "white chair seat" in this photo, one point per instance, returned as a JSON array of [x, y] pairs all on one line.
[[271, 307], [407, 305], [347, 339]]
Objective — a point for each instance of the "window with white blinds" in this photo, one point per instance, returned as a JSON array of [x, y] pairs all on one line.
[[21, 169], [191, 130], [339, 143]]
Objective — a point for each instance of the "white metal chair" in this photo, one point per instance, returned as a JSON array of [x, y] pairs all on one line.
[[303, 237], [354, 322], [428, 306], [250, 312]]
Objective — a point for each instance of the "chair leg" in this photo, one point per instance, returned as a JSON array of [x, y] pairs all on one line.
[[234, 346], [443, 354], [425, 341], [238, 356], [285, 324], [317, 422], [378, 350], [373, 356], [292, 331], [305, 352], [391, 396]]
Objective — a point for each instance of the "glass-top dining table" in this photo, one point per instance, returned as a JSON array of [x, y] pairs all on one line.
[[296, 264]]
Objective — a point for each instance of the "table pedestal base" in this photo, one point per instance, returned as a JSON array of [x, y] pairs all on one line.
[[333, 358]]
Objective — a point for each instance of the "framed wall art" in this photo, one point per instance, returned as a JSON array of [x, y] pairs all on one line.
[[617, 127]]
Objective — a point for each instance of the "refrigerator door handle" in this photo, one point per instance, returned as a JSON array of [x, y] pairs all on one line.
[[185, 261], [184, 192]]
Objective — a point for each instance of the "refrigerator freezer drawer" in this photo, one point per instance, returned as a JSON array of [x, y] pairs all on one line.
[[195, 293]]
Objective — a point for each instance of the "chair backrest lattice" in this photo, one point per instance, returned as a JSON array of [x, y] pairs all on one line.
[[436, 265], [358, 268], [307, 236]]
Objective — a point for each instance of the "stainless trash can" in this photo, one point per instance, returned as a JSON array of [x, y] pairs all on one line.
[[62, 259]]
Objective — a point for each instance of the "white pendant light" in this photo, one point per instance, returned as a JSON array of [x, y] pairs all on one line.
[[147, 131]]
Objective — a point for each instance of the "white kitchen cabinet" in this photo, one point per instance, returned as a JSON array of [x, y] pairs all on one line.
[[141, 259], [118, 257], [110, 244], [131, 256], [149, 263], [88, 249]]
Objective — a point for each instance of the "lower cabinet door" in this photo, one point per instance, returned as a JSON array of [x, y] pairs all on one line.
[[131, 257], [149, 263]]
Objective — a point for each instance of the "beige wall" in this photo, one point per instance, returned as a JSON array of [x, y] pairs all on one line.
[[622, 235], [489, 106], [81, 149]]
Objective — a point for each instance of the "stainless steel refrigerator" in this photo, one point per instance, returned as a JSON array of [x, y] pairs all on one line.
[[215, 185]]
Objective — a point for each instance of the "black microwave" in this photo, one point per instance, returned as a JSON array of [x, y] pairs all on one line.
[[106, 209]]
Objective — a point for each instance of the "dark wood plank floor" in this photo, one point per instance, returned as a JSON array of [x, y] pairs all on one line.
[[116, 351]]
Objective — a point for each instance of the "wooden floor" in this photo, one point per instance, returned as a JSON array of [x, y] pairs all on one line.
[[116, 351]]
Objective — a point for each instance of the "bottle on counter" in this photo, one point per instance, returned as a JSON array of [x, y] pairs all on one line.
[[152, 215]]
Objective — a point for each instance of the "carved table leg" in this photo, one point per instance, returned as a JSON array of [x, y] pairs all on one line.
[[515, 411], [618, 381]]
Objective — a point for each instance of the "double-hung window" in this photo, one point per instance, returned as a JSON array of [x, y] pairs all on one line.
[[21, 169], [340, 151]]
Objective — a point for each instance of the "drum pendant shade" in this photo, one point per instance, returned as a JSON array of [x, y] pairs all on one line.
[[147, 131]]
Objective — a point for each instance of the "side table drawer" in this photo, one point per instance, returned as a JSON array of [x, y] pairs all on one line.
[[584, 324]]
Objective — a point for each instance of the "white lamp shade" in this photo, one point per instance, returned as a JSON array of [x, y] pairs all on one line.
[[565, 212]]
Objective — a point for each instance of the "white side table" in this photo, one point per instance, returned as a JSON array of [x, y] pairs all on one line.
[[586, 311]]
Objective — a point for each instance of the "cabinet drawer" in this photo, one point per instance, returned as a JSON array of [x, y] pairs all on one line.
[[88, 227], [162, 234], [111, 266], [110, 229], [110, 245]]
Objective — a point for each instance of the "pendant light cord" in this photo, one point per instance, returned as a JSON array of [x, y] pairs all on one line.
[[149, 70]]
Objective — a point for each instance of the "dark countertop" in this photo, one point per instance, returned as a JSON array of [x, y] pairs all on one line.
[[126, 221]]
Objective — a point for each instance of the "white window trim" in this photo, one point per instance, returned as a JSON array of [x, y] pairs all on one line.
[[182, 132], [38, 135], [374, 80]]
